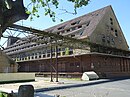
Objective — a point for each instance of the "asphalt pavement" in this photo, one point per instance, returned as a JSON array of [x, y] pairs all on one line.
[[76, 88]]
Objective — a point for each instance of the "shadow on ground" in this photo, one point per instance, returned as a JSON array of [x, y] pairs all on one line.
[[90, 83]]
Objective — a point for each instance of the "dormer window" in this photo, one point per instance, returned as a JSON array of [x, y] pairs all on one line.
[[74, 23], [111, 29], [80, 26], [73, 28], [68, 30], [87, 24], [111, 19], [60, 28], [116, 34]]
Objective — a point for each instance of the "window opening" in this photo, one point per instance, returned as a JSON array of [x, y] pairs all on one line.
[[60, 28], [74, 23], [87, 24]]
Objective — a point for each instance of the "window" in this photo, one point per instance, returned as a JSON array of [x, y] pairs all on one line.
[[32, 57], [116, 34], [87, 24], [58, 53], [72, 35], [68, 30], [103, 38], [39, 56], [113, 41], [111, 23], [71, 52], [73, 28], [35, 57], [60, 28], [63, 53], [44, 56], [111, 19], [48, 55], [80, 26], [58, 33], [74, 23], [112, 29], [53, 54], [108, 39], [81, 33]]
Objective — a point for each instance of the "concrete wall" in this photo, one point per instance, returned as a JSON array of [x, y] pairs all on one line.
[[7, 64], [16, 77], [108, 32]]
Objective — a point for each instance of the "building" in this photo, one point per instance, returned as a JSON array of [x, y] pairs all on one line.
[[108, 54], [7, 65]]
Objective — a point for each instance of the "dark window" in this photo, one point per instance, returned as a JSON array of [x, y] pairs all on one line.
[[61, 28], [113, 42], [59, 49], [58, 33], [103, 38], [111, 23], [71, 52], [111, 19], [73, 28], [48, 55], [81, 32], [74, 23], [68, 30], [32, 57], [58, 53], [53, 55], [39, 56], [63, 53], [112, 29], [72, 35], [116, 34], [80, 26], [44, 56], [108, 39], [87, 24]]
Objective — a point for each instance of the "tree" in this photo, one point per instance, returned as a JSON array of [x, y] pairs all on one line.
[[47, 6], [12, 11]]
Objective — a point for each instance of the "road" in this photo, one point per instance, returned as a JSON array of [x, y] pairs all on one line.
[[98, 88]]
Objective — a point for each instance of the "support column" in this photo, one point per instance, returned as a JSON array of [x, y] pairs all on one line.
[[51, 63], [56, 63]]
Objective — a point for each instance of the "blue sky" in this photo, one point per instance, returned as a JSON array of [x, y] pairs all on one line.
[[120, 7]]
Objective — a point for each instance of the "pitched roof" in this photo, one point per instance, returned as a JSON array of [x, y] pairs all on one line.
[[82, 26]]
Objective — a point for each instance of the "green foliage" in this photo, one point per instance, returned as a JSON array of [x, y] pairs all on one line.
[[47, 4]]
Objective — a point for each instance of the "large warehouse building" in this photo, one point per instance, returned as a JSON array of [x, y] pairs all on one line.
[[108, 56]]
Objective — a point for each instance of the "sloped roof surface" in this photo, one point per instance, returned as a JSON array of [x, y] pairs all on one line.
[[88, 22]]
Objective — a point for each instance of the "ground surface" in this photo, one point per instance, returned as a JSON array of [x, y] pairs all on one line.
[[77, 88]]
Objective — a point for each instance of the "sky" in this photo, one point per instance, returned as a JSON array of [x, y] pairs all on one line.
[[120, 7]]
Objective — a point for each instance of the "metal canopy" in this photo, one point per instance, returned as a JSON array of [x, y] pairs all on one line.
[[61, 40]]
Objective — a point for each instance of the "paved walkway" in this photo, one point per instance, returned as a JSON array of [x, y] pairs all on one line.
[[41, 84]]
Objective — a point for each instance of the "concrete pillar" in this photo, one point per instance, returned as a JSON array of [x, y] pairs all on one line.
[[26, 91]]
